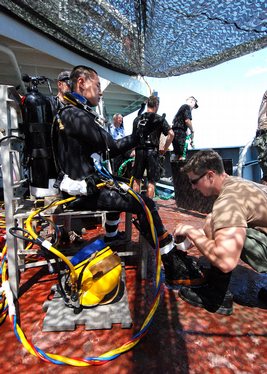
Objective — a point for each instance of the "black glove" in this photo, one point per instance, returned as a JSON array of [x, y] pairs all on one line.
[[91, 185], [142, 108]]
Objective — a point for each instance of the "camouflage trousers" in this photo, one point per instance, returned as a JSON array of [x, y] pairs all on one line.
[[254, 251], [260, 142]]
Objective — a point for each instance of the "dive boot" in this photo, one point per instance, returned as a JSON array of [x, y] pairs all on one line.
[[214, 296], [181, 269], [119, 237]]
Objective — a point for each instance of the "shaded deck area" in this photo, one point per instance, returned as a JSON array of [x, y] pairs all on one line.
[[181, 339]]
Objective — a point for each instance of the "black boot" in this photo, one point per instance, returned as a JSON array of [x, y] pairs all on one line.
[[262, 295], [181, 269], [214, 296]]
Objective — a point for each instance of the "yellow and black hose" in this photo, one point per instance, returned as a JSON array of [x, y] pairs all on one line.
[[114, 353]]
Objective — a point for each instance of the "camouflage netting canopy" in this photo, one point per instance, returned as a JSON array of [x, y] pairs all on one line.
[[149, 37]]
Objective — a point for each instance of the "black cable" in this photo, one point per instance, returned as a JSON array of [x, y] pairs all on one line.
[[11, 136], [30, 240]]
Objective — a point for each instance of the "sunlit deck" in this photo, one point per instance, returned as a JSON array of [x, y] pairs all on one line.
[[181, 339]]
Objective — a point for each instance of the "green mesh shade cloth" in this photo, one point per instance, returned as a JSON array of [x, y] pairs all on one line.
[[149, 37]]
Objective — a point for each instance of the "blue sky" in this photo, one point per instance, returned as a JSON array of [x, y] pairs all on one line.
[[229, 96]]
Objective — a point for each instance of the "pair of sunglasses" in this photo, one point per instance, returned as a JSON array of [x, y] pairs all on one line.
[[195, 181]]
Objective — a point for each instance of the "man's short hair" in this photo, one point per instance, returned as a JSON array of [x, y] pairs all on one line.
[[64, 76], [117, 115], [152, 101], [202, 161], [196, 104], [79, 70]]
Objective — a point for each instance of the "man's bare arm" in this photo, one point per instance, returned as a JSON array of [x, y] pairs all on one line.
[[168, 141], [189, 124], [223, 251]]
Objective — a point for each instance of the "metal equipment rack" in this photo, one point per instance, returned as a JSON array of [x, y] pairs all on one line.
[[16, 208]]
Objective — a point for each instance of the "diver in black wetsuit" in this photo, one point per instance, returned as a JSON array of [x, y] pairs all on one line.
[[80, 141]]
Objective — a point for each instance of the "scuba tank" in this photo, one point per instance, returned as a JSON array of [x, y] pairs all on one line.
[[37, 122]]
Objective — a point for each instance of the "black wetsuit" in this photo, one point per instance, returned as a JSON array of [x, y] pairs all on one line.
[[147, 153], [180, 129], [78, 137]]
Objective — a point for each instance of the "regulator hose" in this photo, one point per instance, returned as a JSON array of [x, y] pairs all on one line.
[[107, 356]]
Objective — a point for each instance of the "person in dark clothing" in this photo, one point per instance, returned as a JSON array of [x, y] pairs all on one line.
[[147, 155], [80, 143], [58, 102], [182, 122], [260, 141], [63, 86]]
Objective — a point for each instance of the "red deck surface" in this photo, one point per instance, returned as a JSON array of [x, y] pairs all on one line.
[[181, 339]]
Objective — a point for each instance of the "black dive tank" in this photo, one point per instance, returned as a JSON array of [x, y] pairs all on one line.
[[37, 122]]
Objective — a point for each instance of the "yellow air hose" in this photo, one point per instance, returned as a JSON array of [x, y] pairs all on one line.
[[46, 244], [112, 354]]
